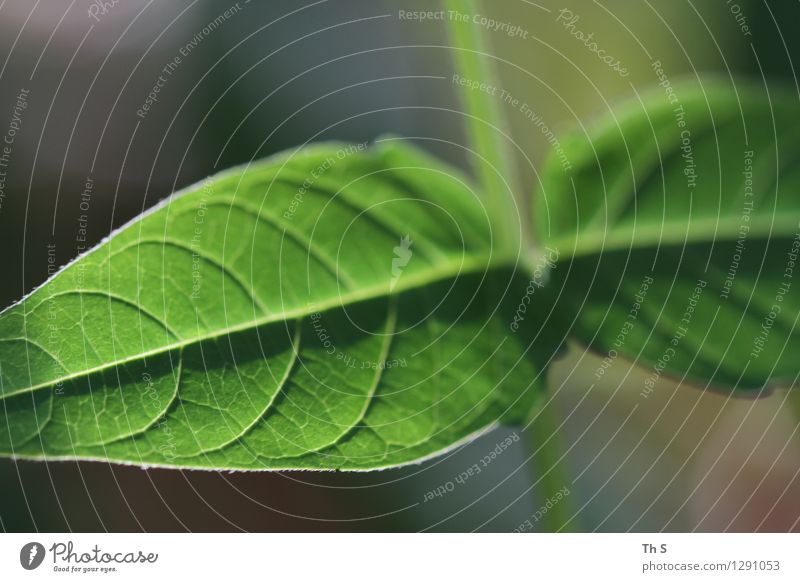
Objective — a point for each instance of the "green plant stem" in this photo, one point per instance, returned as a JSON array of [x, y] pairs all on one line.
[[550, 469], [493, 162], [485, 125]]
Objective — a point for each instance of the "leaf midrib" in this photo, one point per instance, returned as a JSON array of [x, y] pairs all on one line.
[[675, 233], [468, 265]]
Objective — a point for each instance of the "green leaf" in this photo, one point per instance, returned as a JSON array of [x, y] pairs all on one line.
[[678, 231], [332, 307]]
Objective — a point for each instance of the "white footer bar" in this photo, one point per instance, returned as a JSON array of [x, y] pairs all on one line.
[[400, 557]]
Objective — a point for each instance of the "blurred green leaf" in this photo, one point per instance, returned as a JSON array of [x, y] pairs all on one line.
[[678, 229]]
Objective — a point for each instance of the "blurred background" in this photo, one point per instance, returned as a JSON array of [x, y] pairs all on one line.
[[254, 78]]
